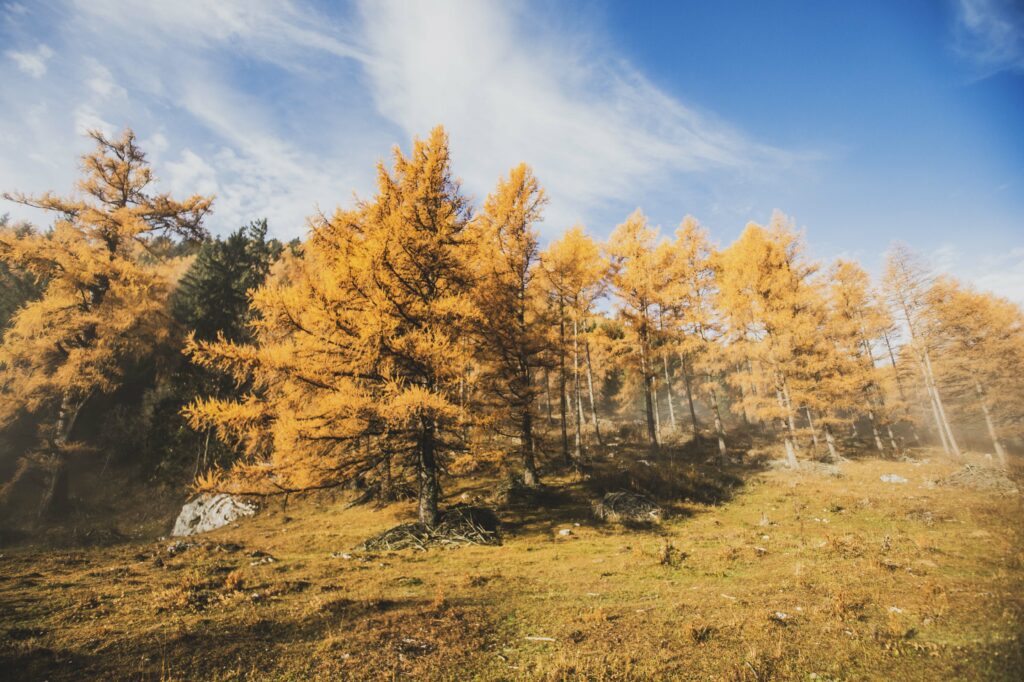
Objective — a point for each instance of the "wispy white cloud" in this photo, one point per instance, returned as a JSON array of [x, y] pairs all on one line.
[[350, 83], [594, 128], [1001, 274], [990, 33], [32, 62]]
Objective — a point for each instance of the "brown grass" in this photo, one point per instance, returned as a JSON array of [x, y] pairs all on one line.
[[877, 581]]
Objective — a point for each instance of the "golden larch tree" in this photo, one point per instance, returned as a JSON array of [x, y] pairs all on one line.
[[105, 298], [634, 279], [359, 344], [763, 295], [574, 276], [510, 334], [980, 356], [906, 283], [690, 296]]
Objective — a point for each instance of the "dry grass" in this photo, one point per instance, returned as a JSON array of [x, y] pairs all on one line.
[[758, 575]]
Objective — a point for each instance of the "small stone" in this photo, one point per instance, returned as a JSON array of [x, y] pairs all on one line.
[[892, 478], [565, 532]]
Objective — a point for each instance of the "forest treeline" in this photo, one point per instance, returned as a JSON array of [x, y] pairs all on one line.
[[415, 334]]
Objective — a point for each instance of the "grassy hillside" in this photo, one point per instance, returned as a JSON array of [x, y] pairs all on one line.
[[759, 573]]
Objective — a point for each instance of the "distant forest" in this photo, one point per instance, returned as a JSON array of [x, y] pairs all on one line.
[[414, 334]]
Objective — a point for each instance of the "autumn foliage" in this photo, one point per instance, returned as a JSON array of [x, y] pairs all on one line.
[[411, 334]]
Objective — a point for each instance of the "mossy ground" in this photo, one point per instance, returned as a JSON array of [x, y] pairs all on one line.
[[881, 581]]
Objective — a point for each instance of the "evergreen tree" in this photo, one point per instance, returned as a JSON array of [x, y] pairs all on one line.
[[213, 296]]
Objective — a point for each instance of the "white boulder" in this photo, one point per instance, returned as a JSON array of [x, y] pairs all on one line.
[[209, 511]]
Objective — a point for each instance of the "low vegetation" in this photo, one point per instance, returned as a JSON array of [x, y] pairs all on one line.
[[745, 466], [790, 575]]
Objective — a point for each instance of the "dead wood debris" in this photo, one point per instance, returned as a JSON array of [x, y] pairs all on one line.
[[461, 524]]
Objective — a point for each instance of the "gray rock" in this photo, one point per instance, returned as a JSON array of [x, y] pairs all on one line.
[[892, 478], [209, 511]]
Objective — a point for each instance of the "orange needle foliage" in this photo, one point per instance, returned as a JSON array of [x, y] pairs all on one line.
[[105, 296], [359, 348]]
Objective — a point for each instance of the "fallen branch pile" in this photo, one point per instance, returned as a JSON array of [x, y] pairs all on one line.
[[980, 478], [462, 524], [625, 507]]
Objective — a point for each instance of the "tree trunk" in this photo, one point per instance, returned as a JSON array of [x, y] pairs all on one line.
[[788, 422], [429, 489], [874, 430], [899, 389], [563, 406], [54, 502], [719, 427], [938, 402], [892, 438], [938, 421], [530, 478], [790, 412], [547, 395], [657, 406], [389, 481], [590, 389], [652, 434], [831, 442], [753, 392], [577, 401], [668, 389], [694, 424], [1000, 452], [810, 423]]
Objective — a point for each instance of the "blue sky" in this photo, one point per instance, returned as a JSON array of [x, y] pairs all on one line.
[[866, 122]]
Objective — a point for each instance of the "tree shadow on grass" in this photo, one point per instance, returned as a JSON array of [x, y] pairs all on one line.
[[416, 635], [679, 478]]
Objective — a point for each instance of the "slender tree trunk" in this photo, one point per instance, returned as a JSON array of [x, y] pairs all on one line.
[[938, 403], [657, 407], [790, 412], [668, 390], [55, 499], [831, 442], [899, 389], [563, 406], [871, 390], [652, 434], [743, 399], [892, 438], [1000, 452], [530, 478], [874, 429], [388, 491], [753, 391], [789, 435], [577, 401], [590, 390], [938, 421], [719, 427], [810, 423], [694, 424], [429, 488], [547, 395]]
